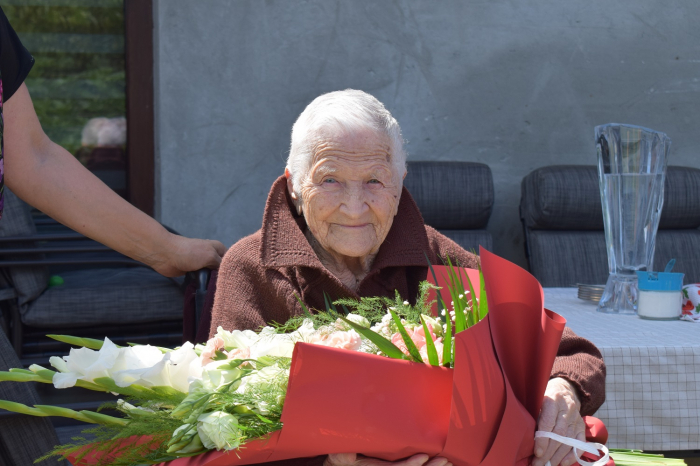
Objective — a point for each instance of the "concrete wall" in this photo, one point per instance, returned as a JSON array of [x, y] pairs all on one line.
[[516, 85]]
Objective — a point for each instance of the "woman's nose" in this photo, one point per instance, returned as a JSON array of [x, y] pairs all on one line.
[[354, 201]]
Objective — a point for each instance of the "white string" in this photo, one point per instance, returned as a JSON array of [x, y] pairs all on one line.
[[578, 445]]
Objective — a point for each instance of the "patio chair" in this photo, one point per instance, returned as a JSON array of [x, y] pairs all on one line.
[[22, 438], [562, 219], [102, 292], [456, 198]]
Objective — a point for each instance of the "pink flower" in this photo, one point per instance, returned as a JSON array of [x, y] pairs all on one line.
[[213, 345], [238, 353], [349, 340], [418, 337]]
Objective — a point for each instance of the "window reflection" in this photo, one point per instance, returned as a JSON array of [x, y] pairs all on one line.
[[78, 81]]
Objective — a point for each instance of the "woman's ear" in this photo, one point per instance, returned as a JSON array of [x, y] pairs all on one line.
[[290, 184], [292, 193]]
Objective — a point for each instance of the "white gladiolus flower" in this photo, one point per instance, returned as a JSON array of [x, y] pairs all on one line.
[[218, 430], [134, 361], [237, 339], [58, 363], [172, 369], [86, 364]]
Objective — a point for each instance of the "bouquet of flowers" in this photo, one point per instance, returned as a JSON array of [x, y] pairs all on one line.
[[379, 376]]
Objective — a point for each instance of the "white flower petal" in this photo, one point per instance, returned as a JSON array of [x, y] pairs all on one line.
[[65, 380], [59, 364]]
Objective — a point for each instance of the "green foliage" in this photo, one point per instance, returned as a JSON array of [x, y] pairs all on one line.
[[65, 19], [384, 345], [430, 345], [637, 457], [410, 345]]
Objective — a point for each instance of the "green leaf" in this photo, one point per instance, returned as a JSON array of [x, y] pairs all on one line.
[[64, 412], [440, 304], [21, 377], [20, 408], [303, 306], [330, 306], [99, 418], [169, 392], [430, 345], [78, 341], [460, 318], [483, 302], [137, 391], [447, 346], [471, 291], [410, 346], [384, 345], [637, 457]]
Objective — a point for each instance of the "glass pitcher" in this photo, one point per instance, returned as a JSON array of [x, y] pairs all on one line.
[[632, 167]]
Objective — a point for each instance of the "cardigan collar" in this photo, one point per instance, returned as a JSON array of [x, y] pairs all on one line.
[[284, 244]]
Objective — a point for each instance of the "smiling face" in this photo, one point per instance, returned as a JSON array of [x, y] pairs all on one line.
[[352, 193]]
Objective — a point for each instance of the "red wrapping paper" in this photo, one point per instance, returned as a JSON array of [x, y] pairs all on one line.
[[483, 412]]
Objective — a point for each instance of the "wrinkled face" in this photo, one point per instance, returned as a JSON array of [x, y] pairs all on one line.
[[352, 193]]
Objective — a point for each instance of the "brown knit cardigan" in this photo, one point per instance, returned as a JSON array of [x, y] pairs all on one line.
[[261, 273]]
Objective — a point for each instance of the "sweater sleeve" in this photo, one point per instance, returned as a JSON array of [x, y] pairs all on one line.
[[580, 362]]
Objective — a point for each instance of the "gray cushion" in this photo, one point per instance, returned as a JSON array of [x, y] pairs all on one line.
[[565, 258], [470, 239], [451, 195], [22, 438], [28, 282], [562, 197], [107, 296], [682, 245], [559, 258], [681, 199], [567, 197]]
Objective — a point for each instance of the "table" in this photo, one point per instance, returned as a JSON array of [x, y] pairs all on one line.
[[653, 374]]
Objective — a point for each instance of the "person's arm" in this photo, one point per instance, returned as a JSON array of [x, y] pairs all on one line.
[[48, 177], [576, 388]]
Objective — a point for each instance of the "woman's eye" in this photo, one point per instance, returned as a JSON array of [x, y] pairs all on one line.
[[374, 181], [329, 180]]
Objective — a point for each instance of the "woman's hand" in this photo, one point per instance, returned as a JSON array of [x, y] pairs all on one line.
[[187, 254], [560, 414], [353, 459]]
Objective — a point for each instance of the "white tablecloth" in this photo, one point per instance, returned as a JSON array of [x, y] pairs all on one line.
[[653, 374]]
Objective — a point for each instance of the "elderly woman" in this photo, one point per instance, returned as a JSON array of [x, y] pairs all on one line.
[[340, 222]]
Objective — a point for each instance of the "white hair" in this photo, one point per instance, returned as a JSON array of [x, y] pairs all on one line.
[[349, 111]]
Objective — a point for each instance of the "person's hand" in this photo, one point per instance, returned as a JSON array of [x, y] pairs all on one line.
[[184, 254], [560, 414], [353, 459]]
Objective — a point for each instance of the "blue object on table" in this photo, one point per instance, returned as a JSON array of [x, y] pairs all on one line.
[[661, 281]]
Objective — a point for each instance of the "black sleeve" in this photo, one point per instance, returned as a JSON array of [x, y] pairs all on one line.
[[15, 60]]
